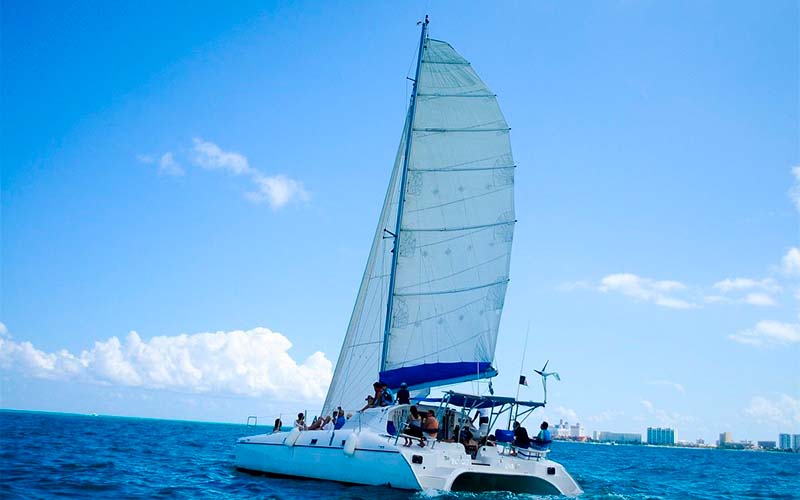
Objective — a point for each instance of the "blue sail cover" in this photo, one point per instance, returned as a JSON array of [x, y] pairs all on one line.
[[454, 245]]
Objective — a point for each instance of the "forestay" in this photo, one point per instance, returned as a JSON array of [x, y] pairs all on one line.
[[454, 242]]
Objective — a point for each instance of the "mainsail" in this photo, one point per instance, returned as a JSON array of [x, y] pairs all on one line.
[[440, 269]]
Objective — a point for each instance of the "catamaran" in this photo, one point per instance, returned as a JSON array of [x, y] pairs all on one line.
[[428, 311]]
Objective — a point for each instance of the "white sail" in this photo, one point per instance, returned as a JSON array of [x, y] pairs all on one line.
[[454, 242], [360, 358], [456, 229]]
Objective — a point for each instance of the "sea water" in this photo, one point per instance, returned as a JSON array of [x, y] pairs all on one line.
[[50, 455]]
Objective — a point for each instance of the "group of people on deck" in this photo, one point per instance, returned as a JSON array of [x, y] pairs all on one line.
[[334, 421], [384, 396], [541, 441]]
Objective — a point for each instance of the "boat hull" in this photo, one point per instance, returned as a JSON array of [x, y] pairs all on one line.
[[381, 460]]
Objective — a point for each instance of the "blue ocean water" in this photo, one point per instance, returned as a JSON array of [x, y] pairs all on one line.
[[49, 455]]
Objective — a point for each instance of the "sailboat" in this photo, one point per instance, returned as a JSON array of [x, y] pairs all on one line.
[[428, 310]]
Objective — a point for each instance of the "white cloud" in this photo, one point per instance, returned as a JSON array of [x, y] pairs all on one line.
[[678, 387], [758, 299], [254, 362], [646, 290], [790, 264], [768, 332], [606, 416], [276, 190], [665, 418], [3, 329], [210, 156], [784, 410], [741, 284], [168, 166], [794, 192]]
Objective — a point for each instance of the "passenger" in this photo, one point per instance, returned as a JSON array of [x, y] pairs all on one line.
[[340, 420], [300, 423], [277, 426], [430, 427], [326, 424], [378, 399], [521, 439], [315, 424], [388, 395], [370, 403], [413, 426], [403, 396], [543, 439]]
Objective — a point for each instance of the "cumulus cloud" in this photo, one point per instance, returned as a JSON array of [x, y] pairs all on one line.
[[276, 190], [662, 293], [790, 264], [768, 332], [168, 166], [784, 410], [678, 387], [253, 363]]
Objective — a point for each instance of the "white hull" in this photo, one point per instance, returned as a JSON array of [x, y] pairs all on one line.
[[378, 460]]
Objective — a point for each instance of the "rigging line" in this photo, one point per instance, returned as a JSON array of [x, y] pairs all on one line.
[[455, 290], [461, 200]]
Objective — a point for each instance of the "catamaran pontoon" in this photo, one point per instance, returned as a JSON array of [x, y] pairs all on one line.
[[428, 309]]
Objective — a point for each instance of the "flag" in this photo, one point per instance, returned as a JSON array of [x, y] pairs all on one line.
[[523, 380]]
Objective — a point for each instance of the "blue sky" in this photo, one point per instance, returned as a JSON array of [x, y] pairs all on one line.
[[176, 169]]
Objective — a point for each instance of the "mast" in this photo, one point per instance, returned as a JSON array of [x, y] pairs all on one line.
[[401, 200]]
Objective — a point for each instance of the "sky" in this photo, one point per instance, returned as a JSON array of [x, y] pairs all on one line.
[[189, 192]]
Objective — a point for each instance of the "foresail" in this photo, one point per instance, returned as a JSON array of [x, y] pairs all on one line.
[[456, 229], [360, 358]]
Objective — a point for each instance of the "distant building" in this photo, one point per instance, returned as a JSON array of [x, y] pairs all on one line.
[[796, 442], [725, 438], [784, 442], [620, 437], [766, 445], [657, 435], [700, 441], [576, 431], [560, 430]]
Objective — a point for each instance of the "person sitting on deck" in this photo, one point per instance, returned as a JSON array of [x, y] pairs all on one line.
[[278, 425], [430, 427], [370, 403], [315, 424], [413, 426], [521, 439], [326, 424], [378, 398], [388, 395], [543, 439], [340, 420], [300, 423], [403, 396]]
